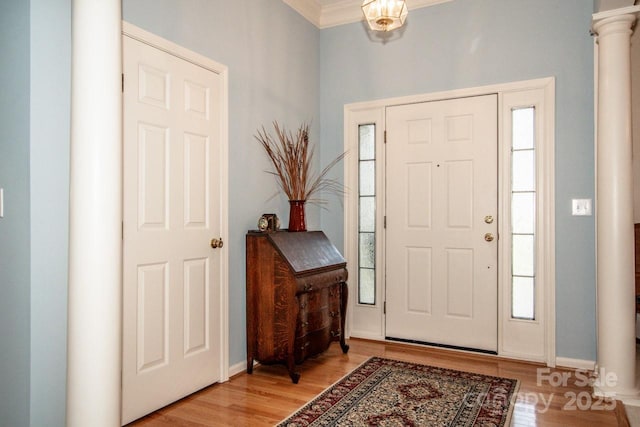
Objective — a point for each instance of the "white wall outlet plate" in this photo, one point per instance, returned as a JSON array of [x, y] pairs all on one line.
[[581, 207]]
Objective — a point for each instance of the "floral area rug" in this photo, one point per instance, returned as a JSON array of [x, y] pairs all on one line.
[[384, 392]]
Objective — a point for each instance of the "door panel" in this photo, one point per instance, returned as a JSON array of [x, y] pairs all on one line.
[[171, 276], [441, 284], [152, 325]]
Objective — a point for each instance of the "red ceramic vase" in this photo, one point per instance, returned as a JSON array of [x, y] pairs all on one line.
[[296, 215]]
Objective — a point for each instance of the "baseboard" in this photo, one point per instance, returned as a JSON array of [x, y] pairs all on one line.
[[238, 368], [566, 362], [366, 336]]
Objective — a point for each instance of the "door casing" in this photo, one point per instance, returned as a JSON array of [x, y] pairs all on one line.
[[367, 321]]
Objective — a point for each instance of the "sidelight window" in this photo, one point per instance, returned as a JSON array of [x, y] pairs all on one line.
[[367, 214], [523, 214]]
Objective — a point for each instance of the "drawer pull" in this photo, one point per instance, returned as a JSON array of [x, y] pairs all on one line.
[[308, 287], [305, 345], [303, 306], [335, 333], [304, 324], [333, 313]]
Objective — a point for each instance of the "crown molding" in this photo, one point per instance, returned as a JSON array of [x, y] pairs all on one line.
[[341, 13], [310, 9], [344, 12]]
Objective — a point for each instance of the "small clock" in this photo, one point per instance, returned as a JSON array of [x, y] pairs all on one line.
[[263, 223], [268, 222]]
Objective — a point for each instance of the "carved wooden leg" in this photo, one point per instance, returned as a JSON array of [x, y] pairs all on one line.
[[295, 377], [291, 367], [250, 349], [291, 335], [343, 316]]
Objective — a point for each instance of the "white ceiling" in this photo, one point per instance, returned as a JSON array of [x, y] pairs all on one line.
[[329, 13]]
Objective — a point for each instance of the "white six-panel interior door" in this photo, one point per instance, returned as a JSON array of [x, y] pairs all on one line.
[[441, 232], [172, 209]]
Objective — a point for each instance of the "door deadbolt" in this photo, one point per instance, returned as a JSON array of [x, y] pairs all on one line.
[[488, 219], [217, 243]]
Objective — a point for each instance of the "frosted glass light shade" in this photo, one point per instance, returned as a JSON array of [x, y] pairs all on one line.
[[384, 15]]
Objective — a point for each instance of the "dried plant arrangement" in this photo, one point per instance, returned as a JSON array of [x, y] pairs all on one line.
[[292, 159]]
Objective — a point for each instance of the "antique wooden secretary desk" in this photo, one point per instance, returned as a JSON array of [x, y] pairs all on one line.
[[296, 297]]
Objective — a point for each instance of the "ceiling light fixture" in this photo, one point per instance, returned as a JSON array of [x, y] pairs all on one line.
[[384, 15]]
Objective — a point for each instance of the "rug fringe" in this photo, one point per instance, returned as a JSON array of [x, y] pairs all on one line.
[[512, 405]]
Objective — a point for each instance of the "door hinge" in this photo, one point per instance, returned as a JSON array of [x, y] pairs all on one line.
[[122, 229], [385, 136], [384, 307], [384, 221], [122, 82]]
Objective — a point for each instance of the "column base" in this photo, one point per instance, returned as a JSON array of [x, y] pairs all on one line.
[[629, 396]]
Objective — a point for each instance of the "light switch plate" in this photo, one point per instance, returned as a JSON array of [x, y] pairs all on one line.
[[581, 207]]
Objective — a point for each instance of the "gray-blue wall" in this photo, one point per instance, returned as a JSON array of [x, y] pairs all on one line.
[[34, 160], [468, 43], [49, 123], [14, 227]]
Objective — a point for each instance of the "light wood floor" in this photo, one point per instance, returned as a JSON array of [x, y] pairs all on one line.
[[268, 396]]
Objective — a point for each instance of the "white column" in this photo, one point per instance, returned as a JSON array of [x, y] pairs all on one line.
[[615, 235], [95, 302]]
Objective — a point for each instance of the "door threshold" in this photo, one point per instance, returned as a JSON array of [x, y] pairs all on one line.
[[451, 347]]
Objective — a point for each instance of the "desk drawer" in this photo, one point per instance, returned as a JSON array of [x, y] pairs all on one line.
[[321, 280]]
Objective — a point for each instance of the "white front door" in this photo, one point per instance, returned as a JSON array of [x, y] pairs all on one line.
[[441, 208], [172, 210]]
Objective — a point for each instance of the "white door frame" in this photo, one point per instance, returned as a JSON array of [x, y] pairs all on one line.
[[208, 64], [541, 94]]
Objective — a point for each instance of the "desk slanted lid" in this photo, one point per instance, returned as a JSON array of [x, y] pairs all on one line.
[[306, 252]]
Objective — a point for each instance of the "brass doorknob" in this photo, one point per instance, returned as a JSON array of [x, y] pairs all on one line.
[[217, 243], [488, 237]]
